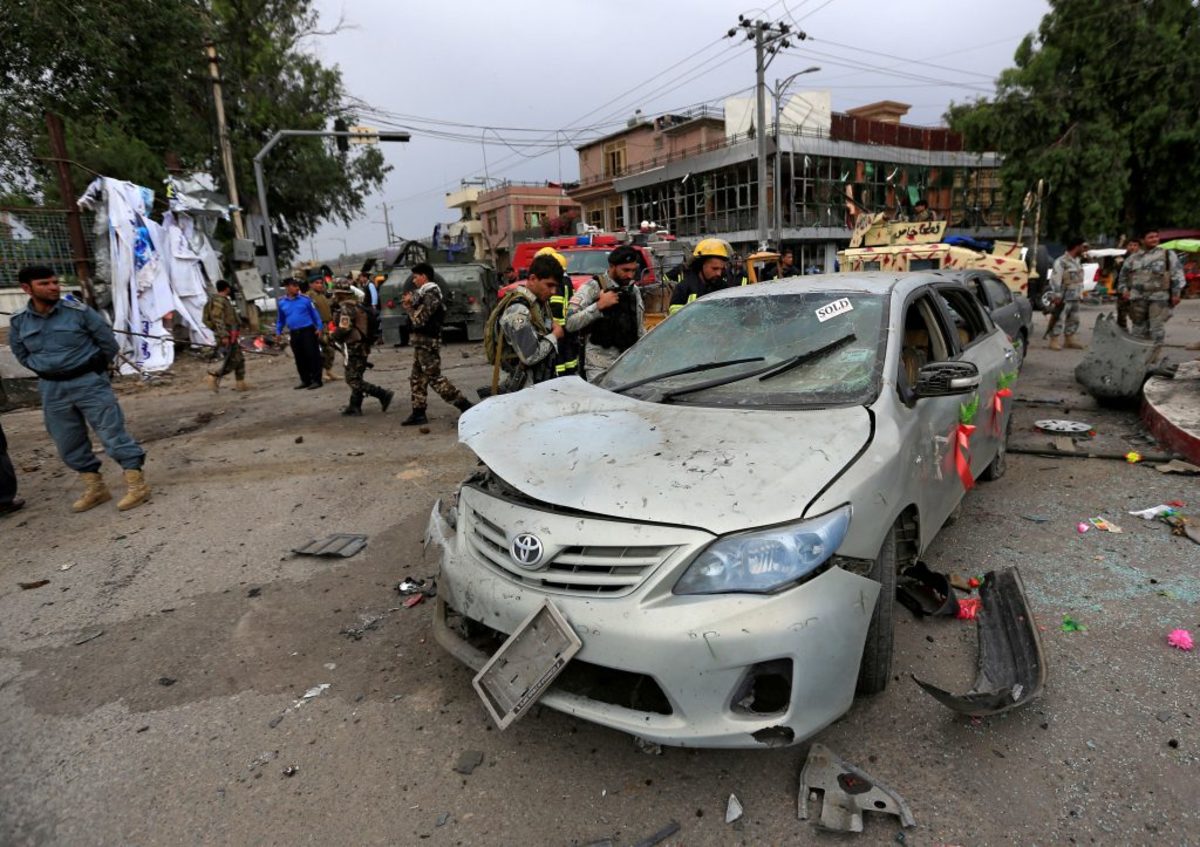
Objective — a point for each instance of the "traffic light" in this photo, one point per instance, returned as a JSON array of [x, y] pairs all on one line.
[[343, 142]]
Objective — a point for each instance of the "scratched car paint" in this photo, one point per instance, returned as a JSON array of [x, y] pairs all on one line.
[[717, 517]]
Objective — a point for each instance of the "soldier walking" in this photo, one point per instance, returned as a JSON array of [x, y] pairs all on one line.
[[427, 312], [222, 318], [352, 330], [1066, 283], [1132, 246], [316, 293], [1152, 280], [69, 346], [607, 312], [521, 337]]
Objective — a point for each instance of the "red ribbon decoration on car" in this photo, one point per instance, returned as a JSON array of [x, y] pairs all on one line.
[[998, 408], [962, 454]]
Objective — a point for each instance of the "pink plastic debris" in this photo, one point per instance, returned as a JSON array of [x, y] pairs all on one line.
[[968, 608], [1082, 527], [1180, 638]]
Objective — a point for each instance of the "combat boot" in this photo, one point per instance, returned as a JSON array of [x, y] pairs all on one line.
[[1072, 344], [95, 492], [1056, 342], [329, 377], [137, 492], [241, 386], [354, 407], [214, 383], [385, 398], [417, 417], [462, 404]]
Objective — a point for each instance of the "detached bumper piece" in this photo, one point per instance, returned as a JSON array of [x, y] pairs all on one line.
[[1012, 667], [847, 793]]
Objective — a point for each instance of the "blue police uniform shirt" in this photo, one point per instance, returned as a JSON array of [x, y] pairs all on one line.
[[66, 337], [296, 313]]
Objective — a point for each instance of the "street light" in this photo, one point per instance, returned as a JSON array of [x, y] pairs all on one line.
[[780, 88], [345, 248], [269, 237]]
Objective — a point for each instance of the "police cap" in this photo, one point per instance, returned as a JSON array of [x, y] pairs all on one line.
[[622, 255]]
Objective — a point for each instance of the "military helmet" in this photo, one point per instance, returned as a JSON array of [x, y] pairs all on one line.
[[550, 251], [711, 248], [341, 285]]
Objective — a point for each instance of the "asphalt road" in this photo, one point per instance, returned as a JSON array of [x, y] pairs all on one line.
[[179, 720]]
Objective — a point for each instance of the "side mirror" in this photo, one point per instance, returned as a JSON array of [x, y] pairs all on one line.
[[945, 379]]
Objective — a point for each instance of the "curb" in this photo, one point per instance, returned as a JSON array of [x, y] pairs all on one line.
[[1171, 410]]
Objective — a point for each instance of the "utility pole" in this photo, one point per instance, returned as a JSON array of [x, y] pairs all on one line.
[[239, 226], [214, 70], [768, 40], [387, 225], [58, 147]]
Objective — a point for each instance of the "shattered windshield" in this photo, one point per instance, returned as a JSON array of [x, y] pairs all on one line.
[[587, 261], [753, 334]]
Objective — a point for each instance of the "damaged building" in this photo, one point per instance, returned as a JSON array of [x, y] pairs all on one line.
[[695, 173]]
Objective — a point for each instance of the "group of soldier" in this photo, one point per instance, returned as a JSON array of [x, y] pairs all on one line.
[[320, 323], [536, 333], [1149, 285]]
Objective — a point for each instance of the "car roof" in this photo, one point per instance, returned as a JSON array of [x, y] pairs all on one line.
[[881, 283]]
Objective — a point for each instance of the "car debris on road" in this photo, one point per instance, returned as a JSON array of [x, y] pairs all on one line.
[[844, 793]]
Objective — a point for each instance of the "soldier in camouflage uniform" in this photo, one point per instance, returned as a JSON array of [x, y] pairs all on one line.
[[607, 312], [426, 310], [1132, 246], [351, 329], [521, 337], [316, 293], [1153, 282], [1066, 282], [222, 319]]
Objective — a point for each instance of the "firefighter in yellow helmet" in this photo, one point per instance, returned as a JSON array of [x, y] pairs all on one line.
[[705, 274], [568, 346]]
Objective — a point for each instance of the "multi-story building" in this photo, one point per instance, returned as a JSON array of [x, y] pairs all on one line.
[[468, 227], [697, 175], [516, 211]]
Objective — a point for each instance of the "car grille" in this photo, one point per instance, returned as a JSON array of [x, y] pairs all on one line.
[[610, 571]]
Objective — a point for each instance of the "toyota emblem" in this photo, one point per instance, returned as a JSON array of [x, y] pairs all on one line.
[[526, 550]]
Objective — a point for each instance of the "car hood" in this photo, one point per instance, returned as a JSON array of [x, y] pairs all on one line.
[[571, 444]]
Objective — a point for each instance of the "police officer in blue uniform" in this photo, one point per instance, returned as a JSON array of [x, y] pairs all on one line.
[[69, 346]]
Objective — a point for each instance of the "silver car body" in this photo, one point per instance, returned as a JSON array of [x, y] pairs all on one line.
[[624, 494]]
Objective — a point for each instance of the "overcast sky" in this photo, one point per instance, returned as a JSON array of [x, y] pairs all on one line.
[[575, 69]]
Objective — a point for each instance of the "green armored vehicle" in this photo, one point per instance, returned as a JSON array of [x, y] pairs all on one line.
[[468, 290]]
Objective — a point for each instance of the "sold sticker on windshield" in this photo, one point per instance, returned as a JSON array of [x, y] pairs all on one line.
[[832, 310]]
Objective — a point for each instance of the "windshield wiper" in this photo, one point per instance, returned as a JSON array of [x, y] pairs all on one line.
[[690, 369], [761, 373], [804, 358]]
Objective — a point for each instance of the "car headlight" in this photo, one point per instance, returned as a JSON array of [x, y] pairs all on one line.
[[764, 561]]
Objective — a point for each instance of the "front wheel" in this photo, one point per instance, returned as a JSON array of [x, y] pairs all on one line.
[[876, 665]]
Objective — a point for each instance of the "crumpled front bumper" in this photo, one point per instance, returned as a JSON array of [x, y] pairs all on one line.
[[699, 649]]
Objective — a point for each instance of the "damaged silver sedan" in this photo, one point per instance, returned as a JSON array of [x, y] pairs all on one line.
[[719, 518]]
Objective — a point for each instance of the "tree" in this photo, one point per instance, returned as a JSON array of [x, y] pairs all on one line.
[[1101, 104], [131, 82]]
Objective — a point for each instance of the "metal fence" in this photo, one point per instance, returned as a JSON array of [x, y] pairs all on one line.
[[36, 236]]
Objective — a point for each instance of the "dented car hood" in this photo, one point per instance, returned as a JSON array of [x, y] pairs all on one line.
[[571, 444]]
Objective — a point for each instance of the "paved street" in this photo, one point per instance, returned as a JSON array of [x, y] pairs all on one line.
[[178, 721]]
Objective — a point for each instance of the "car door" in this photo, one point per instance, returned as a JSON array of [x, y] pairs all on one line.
[[978, 340], [927, 426], [998, 300]]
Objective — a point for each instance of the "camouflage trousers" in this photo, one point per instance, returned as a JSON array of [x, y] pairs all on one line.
[[1068, 319], [1123, 313], [229, 358], [1149, 319], [328, 353], [427, 371], [356, 366]]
